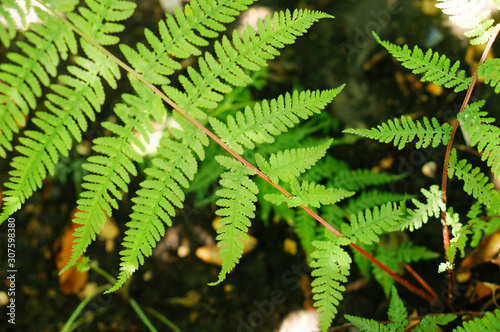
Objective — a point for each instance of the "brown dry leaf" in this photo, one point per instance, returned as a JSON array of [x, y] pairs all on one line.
[[479, 290], [72, 280], [487, 251]]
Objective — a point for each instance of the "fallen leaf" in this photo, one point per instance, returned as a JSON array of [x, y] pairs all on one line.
[[71, 281]]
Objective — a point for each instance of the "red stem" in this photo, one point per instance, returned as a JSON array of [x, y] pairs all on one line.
[[446, 236]]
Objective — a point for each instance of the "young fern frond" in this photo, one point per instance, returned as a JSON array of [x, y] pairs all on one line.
[[469, 14], [405, 130], [435, 67], [490, 72], [420, 215], [482, 134], [236, 207], [331, 264], [29, 70], [475, 182], [305, 228], [270, 118], [289, 164], [309, 194], [490, 322], [368, 226], [359, 178]]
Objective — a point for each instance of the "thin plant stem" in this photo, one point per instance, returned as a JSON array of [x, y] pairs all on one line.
[[68, 326], [142, 315], [421, 281], [163, 319], [446, 236], [214, 137]]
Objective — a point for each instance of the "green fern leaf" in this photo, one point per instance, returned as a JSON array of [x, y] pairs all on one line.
[[289, 164], [419, 216], [435, 67], [469, 14], [371, 198], [331, 265], [309, 194], [431, 323], [9, 32], [368, 226], [236, 207], [475, 182], [360, 178], [305, 228], [270, 118], [397, 312], [111, 170], [40, 150], [404, 131], [181, 35], [365, 324], [250, 51], [483, 135], [111, 10], [489, 71], [490, 322], [45, 45], [173, 169]]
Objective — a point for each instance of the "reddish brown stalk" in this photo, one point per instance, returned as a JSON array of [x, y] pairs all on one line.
[[446, 236], [421, 281], [245, 162]]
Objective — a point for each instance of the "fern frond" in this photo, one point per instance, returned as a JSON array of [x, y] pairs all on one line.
[[435, 67], [305, 228], [490, 322], [29, 70], [236, 207], [371, 198], [483, 135], [360, 178], [204, 89], [397, 312], [289, 164], [408, 252], [331, 264], [469, 14], [309, 194], [181, 35], [110, 171], [173, 169], [368, 226], [79, 97], [420, 215], [7, 8], [97, 13], [431, 323], [270, 118], [475, 182], [490, 72], [365, 324], [400, 132]]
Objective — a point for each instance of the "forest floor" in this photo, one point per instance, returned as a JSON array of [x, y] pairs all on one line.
[[270, 282]]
